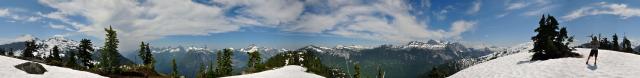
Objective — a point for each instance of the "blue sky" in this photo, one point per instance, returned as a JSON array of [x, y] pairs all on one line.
[[295, 23]]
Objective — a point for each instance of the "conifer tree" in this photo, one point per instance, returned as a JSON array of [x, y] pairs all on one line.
[[2, 51], [549, 42], [10, 53], [30, 47], [55, 54], [174, 67], [357, 71], [145, 54], [254, 62], [109, 51], [71, 60], [380, 72], [84, 53], [201, 71], [615, 46], [224, 63], [626, 45]]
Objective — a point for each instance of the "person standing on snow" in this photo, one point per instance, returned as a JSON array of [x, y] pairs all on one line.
[[594, 50]]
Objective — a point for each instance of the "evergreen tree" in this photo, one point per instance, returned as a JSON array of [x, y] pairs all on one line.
[[109, 51], [2, 51], [201, 72], [71, 60], [174, 71], [145, 54], [615, 46], [380, 72], [10, 53], [55, 55], [224, 63], [254, 62], [357, 71], [435, 73], [626, 45], [84, 53], [30, 47], [549, 42]]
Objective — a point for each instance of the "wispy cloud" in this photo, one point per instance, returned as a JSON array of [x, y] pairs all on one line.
[[601, 8], [475, 7], [135, 21]]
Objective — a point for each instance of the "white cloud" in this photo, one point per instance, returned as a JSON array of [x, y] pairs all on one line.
[[4, 12], [154, 19], [516, 5], [475, 7], [24, 37], [621, 10]]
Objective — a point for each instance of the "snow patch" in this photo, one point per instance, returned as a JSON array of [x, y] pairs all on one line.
[[8, 71], [611, 64], [290, 71]]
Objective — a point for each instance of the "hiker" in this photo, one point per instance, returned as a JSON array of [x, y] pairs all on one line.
[[594, 50]]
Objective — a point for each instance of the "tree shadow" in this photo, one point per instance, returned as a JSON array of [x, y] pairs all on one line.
[[592, 67]]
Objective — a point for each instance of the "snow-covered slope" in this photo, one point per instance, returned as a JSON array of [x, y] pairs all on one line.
[[611, 64], [290, 71], [8, 71]]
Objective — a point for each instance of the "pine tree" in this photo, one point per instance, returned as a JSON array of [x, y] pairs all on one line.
[[224, 63], [2, 51], [30, 47], [254, 62], [84, 53], [549, 42], [626, 45], [174, 71], [10, 53], [201, 72], [71, 60], [109, 60], [357, 71], [615, 46], [380, 72], [145, 54], [55, 55]]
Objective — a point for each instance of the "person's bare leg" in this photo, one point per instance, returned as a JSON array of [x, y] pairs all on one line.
[[588, 57]]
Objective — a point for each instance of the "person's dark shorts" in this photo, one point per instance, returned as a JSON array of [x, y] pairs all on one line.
[[593, 53]]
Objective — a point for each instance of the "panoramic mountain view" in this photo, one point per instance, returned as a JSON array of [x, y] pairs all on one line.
[[319, 39]]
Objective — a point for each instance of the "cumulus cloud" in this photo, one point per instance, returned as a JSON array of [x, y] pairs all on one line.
[[601, 8], [136, 21]]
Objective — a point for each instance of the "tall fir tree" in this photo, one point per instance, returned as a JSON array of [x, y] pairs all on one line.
[[254, 62], [549, 42], [174, 67], [224, 63], [626, 45], [2, 51], [84, 53], [30, 47], [380, 73], [357, 71], [10, 53], [109, 59], [71, 60], [614, 45], [145, 54], [55, 54]]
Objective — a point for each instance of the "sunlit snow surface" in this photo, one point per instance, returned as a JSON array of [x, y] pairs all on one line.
[[290, 71], [611, 64], [8, 71]]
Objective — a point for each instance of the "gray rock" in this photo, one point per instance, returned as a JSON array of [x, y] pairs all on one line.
[[31, 68]]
